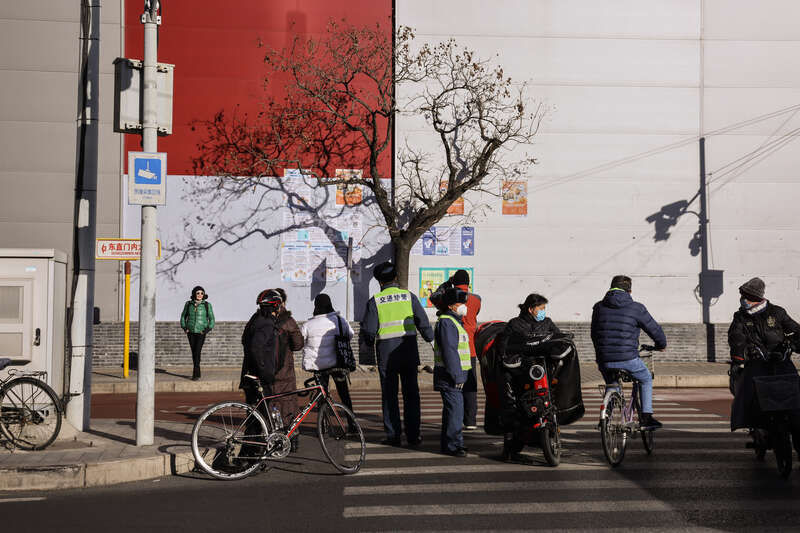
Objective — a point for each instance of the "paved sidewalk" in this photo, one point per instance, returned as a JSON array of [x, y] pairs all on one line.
[[105, 455], [177, 379]]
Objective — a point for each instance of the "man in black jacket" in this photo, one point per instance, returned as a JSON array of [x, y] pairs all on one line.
[[616, 322], [260, 341]]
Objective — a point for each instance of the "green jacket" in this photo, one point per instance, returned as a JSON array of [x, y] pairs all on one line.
[[197, 317]]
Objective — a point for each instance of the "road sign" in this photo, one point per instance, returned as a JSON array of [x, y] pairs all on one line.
[[147, 178], [120, 249]]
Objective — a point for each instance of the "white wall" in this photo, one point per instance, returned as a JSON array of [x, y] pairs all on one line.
[[626, 78]]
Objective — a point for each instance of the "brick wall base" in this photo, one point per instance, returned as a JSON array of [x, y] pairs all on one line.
[[223, 347]]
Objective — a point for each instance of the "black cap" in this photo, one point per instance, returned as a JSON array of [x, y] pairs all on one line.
[[753, 289], [453, 296], [461, 277], [385, 272], [621, 282]]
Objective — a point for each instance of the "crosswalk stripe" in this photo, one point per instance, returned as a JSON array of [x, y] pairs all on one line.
[[518, 486], [499, 509], [494, 468], [672, 413]]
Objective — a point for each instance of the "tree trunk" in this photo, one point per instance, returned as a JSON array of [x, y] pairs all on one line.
[[402, 260]]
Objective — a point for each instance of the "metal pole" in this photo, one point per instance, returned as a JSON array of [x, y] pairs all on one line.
[[81, 328], [145, 391], [705, 289], [126, 345], [348, 266]]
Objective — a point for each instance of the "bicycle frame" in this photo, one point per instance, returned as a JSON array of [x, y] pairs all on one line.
[[628, 407]]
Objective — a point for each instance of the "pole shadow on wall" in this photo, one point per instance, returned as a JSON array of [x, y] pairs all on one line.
[[710, 282]]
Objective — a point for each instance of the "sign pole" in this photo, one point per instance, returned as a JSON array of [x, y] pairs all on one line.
[[126, 346], [145, 390]]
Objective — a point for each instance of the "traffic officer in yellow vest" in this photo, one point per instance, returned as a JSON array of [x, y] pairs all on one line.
[[390, 322], [451, 356]]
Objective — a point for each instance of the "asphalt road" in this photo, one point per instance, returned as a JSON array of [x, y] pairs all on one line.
[[700, 477]]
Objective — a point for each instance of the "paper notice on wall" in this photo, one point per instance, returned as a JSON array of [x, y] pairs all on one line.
[[457, 207], [295, 259], [431, 278], [300, 192], [446, 241], [515, 197], [346, 193]]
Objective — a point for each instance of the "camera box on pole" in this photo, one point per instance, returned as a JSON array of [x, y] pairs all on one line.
[[128, 96]]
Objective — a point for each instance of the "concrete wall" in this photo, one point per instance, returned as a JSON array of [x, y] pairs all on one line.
[[39, 63], [625, 79]]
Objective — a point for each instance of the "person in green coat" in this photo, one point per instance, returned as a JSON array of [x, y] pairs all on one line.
[[197, 319]]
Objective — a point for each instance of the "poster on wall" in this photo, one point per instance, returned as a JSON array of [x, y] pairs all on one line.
[[431, 278], [295, 258], [515, 197], [457, 207], [349, 194], [446, 241]]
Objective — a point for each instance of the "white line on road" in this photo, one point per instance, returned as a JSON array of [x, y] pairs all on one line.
[[20, 500]]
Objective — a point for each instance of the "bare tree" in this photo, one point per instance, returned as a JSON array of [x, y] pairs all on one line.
[[344, 92]]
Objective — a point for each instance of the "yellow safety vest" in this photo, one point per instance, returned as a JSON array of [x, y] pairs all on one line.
[[464, 353], [395, 313]]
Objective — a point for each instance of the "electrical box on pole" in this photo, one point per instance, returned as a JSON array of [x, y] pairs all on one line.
[[128, 96]]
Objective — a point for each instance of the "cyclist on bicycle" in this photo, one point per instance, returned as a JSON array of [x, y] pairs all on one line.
[[616, 322], [759, 328]]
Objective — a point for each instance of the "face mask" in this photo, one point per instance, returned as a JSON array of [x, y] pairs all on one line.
[[540, 314], [746, 304], [461, 310]]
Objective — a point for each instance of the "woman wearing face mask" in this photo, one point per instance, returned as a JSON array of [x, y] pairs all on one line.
[[531, 327]]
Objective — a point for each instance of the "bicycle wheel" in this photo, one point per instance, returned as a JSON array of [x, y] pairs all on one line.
[[612, 431], [229, 440], [341, 437], [551, 444], [30, 413], [782, 445], [649, 441]]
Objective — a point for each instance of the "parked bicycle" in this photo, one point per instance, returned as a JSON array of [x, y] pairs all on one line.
[[231, 440], [619, 420], [30, 411]]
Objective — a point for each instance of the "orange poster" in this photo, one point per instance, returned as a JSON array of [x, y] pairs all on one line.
[[457, 207], [515, 197], [347, 194]]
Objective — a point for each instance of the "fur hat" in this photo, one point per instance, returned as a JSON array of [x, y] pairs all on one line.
[[199, 288]]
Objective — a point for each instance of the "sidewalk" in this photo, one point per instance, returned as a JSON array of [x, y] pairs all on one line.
[[107, 454], [177, 378]]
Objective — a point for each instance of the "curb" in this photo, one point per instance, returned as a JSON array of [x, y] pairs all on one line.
[[78, 476], [373, 384]]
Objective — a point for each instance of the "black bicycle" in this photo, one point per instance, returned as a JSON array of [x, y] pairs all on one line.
[[231, 440], [30, 411]]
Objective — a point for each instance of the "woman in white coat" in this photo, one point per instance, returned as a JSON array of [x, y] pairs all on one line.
[[319, 350]]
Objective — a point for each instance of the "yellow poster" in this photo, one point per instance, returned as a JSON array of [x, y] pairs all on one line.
[[515, 197], [347, 194]]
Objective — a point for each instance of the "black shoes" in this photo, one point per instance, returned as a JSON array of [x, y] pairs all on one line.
[[415, 443], [391, 442], [649, 423], [458, 452], [196, 373]]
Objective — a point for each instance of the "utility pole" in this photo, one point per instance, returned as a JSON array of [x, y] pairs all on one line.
[[707, 277], [81, 329], [145, 391]]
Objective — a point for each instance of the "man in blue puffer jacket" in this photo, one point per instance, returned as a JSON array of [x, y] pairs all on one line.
[[616, 321]]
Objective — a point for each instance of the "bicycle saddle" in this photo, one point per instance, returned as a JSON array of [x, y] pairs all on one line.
[[619, 374], [4, 362]]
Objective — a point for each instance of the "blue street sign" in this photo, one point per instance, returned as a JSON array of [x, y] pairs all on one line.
[[147, 170]]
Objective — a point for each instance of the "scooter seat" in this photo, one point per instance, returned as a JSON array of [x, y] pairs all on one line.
[[4, 362]]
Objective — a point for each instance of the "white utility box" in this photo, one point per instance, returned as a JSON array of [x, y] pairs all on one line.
[[33, 301]]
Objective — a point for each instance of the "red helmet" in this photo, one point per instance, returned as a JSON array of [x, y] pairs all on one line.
[[269, 297]]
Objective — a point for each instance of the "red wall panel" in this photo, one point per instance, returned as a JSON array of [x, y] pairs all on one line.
[[218, 64]]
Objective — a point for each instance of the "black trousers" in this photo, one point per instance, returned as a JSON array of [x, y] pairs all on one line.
[[470, 392], [341, 387], [196, 341]]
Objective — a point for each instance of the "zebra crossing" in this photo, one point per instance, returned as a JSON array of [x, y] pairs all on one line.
[[699, 476]]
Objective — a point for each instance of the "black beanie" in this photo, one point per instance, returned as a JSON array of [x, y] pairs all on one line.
[[753, 289], [322, 304], [461, 277]]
